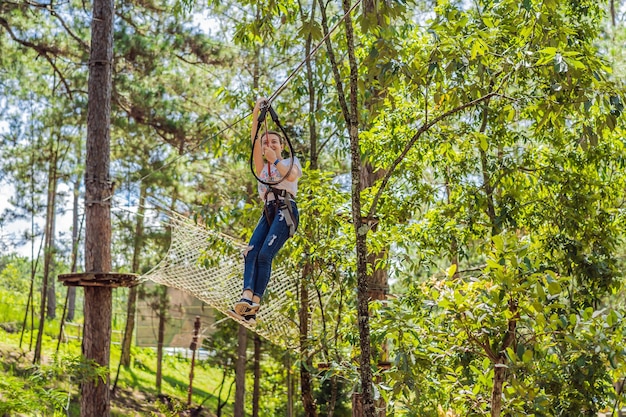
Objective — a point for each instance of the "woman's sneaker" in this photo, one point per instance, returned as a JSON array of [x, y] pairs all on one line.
[[246, 307], [249, 319]]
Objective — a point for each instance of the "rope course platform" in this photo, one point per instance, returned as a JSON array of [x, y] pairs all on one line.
[[209, 265], [98, 279]]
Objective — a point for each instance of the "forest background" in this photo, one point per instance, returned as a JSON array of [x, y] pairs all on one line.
[[469, 155]]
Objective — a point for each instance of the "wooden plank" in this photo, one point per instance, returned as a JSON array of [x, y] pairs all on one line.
[[99, 279]]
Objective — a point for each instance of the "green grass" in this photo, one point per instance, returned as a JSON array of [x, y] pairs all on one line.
[[136, 387]]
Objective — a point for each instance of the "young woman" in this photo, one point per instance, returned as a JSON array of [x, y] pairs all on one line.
[[279, 219]]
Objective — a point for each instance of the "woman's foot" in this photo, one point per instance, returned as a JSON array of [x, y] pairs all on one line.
[[249, 319], [246, 307]]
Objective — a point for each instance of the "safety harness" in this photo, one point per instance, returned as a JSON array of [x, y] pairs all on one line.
[[282, 198]]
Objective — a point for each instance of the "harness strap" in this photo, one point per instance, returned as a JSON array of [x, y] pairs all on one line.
[[284, 205], [261, 119]]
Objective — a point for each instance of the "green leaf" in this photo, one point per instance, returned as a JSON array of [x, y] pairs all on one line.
[[484, 145], [488, 22], [541, 294], [611, 121], [527, 357], [611, 318], [498, 242], [554, 288]]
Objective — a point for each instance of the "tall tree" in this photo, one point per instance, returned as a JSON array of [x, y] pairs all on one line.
[[98, 192]]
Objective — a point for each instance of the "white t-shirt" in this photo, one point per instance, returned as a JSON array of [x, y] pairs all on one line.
[[274, 175]]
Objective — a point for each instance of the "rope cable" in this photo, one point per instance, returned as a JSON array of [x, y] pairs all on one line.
[[228, 127], [277, 91], [262, 118], [313, 51]]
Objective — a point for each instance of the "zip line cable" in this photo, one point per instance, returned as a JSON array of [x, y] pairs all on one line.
[[313, 51], [270, 99], [193, 148]]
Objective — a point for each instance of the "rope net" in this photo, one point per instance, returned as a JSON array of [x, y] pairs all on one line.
[[209, 265]]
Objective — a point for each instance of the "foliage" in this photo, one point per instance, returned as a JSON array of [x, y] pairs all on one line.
[[13, 269], [34, 398], [45, 389], [496, 131]]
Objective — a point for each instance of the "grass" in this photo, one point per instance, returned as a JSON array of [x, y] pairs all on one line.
[[136, 393]]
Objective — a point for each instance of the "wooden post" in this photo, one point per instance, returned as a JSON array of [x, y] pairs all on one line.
[[193, 347]]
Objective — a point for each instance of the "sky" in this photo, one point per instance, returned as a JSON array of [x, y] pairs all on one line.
[[9, 233]]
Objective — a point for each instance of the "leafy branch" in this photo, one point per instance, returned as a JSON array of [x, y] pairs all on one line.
[[424, 128]]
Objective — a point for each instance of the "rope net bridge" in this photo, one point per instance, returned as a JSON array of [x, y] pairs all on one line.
[[209, 265]]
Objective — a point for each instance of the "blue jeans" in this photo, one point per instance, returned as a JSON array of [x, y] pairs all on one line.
[[265, 242]]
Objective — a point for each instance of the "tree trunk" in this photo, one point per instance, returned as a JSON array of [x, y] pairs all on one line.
[[71, 291], [256, 390], [132, 293], [360, 228], [162, 314], [499, 376], [378, 286], [350, 115], [333, 396], [30, 302], [49, 249], [96, 346], [240, 372], [95, 399], [220, 403], [290, 388], [306, 385], [499, 371], [48, 296]]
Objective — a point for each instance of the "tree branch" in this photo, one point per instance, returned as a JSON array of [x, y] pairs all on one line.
[[42, 49], [333, 61], [425, 127]]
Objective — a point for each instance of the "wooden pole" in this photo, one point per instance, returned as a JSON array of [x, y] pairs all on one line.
[[193, 347]]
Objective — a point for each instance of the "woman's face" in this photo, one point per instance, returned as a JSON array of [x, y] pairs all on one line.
[[272, 141]]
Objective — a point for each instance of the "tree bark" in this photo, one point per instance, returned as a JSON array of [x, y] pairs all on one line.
[[290, 385], [256, 390], [306, 385], [95, 400], [350, 114], [500, 369], [360, 228], [499, 376], [71, 291], [132, 293], [240, 372], [162, 313], [49, 249], [48, 299]]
